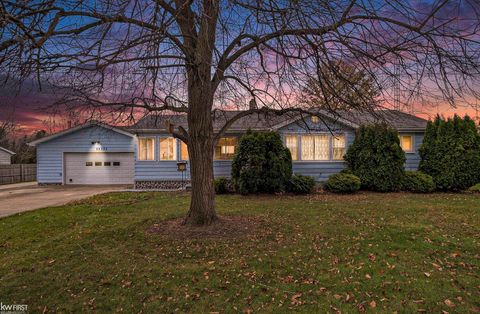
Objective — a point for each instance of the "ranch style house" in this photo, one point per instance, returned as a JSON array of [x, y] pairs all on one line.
[[146, 156]]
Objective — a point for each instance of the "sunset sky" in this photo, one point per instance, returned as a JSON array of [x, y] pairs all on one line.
[[26, 107]]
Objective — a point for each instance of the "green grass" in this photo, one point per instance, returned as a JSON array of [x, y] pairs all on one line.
[[405, 252]]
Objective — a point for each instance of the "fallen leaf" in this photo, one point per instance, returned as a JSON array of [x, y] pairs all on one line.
[[368, 276], [427, 274], [373, 304], [449, 303], [438, 267], [348, 297], [295, 299]]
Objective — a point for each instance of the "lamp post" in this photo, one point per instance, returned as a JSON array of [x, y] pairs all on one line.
[[182, 167]]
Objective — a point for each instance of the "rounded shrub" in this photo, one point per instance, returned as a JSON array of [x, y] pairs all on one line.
[[222, 185], [261, 164], [343, 183], [475, 188], [376, 157], [300, 184], [418, 182]]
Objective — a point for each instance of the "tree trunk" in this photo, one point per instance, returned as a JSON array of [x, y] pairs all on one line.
[[200, 149], [201, 137], [202, 204]]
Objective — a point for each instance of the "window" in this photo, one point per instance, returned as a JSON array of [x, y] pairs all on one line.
[[146, 148], [315, 147], [89, 164], [291, 141], [315, 119], [183, 151], [107, 163], [339, 147], [116, 163], [168, 148], [225, 148], [98, 163], [406, 143]]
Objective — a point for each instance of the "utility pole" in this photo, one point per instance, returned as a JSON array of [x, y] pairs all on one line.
[[396, 87]]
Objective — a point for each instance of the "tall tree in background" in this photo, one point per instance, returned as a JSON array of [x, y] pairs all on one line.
[[6, 129], [341, 87], [197, 57], [24, 153], [450, 153]]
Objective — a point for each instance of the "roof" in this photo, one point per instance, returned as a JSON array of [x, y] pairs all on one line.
[[78, 128], [397, 119], [7, 151], [265, 121], [256, 121]]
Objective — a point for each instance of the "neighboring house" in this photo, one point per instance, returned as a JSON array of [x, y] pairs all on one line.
[[5, 156], [146, 154]]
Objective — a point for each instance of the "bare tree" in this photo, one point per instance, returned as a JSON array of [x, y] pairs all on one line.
[[7, 128], [199, 57]]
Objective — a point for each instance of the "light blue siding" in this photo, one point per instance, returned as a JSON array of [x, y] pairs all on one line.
[[50, 153], [222, 168]]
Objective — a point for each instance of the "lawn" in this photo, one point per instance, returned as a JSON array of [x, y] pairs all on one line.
[[372, 252]]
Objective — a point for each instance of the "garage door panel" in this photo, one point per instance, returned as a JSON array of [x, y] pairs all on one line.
[[90, 168]]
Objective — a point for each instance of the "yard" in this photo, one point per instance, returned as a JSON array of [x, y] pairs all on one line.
[[372, 252]]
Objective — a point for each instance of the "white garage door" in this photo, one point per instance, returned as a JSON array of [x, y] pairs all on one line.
[[99, 168]]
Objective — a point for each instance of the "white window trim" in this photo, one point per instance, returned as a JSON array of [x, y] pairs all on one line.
[[175, 150], [413, 143], [154, 148], [330, 157]]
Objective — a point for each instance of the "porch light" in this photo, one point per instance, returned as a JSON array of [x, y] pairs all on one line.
[[181, 166]]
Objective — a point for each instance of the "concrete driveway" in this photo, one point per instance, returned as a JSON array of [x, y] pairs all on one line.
[[16, 198]]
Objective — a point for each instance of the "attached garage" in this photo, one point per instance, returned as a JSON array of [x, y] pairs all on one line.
[[93, 153], [99, 168]]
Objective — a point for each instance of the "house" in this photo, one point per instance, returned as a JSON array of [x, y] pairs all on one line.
[[146, 155], [5, 156]]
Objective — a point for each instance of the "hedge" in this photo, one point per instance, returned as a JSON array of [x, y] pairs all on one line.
[[376, 158], [450, 153]]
